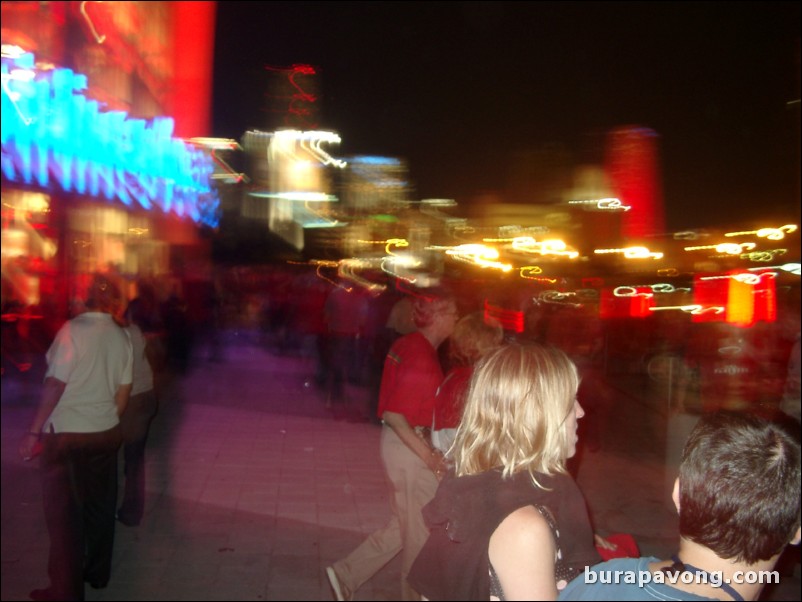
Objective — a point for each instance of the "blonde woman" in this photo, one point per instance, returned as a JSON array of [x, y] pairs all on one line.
[[474, 336], [510, 523]]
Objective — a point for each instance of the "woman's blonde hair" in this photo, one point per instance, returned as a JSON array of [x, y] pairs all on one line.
[[474, 336], [515, 412]]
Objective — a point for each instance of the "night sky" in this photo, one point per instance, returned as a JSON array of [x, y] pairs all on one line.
[[457, 87]]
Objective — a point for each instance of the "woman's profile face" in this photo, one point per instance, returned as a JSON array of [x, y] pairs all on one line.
[[571, 424]]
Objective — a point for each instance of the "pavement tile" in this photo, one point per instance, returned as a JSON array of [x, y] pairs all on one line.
[[254, 487]]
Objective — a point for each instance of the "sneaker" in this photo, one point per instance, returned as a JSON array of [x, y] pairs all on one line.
[[340, 593]]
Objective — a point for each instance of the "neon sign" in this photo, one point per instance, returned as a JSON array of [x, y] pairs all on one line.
[[53, 136]]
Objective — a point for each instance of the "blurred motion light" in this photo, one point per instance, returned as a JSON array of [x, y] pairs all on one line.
[[636, 303], [310, 141], [509, 319], [527, 272], [747, 296], [765, 255], [608, 204], [317, 197], [769, 233], [477, 254], [691, 309], [727, 248], [632, 253]]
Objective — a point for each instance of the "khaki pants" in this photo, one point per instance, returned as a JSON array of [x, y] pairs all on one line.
[[413, 487]]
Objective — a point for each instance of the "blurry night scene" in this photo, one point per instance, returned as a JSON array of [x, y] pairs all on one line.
[[274, 187]]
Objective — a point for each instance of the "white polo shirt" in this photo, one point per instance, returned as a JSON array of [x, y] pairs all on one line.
[[94, 356]]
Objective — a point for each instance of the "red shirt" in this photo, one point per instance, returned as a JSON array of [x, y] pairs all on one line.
[[451, 397], [410, 379]]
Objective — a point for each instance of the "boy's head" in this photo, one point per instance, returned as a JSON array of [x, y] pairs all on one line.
[[738, 490]]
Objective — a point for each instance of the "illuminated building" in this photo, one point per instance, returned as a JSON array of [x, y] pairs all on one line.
[[291, 188], [632, 166], [95, 176], [372, 184], [292, 98]]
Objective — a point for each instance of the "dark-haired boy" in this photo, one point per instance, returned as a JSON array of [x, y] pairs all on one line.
[[738, 497]]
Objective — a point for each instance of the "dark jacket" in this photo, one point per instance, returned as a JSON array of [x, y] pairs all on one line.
[[465, 512]]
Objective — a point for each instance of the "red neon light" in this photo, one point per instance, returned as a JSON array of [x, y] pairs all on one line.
[[301, 101], [745, 300], [509, 319], [634, 305], [592, 282]]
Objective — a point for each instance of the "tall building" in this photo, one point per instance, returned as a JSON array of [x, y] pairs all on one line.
[[632, 163]]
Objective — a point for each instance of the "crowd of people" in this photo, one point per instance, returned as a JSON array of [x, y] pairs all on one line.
[[488, 510], [483, 506]]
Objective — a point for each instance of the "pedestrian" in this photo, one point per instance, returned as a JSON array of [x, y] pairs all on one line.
[[86, 388], [135, 420], [411, 376], [474, 336], [510, 522], [737, 495], [345, 312]]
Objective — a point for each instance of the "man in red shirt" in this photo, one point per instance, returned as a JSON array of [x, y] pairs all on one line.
[[411, 376]]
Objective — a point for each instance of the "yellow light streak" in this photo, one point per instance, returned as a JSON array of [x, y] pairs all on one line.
[[528, 244], [388, 265], [606, 204], [632, 252], [766, 255], [347, 270], [395, 242], [743, 277], [527, 271], [694, 309], [478, 254], [728, 248], [769, 233]]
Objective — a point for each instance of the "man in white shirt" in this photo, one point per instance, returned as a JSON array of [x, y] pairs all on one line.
[[86, 388]]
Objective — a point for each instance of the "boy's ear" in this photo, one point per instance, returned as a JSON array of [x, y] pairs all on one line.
[[675, 495]]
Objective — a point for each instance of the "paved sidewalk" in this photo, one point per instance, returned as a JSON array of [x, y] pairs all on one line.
[[254, 488]]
